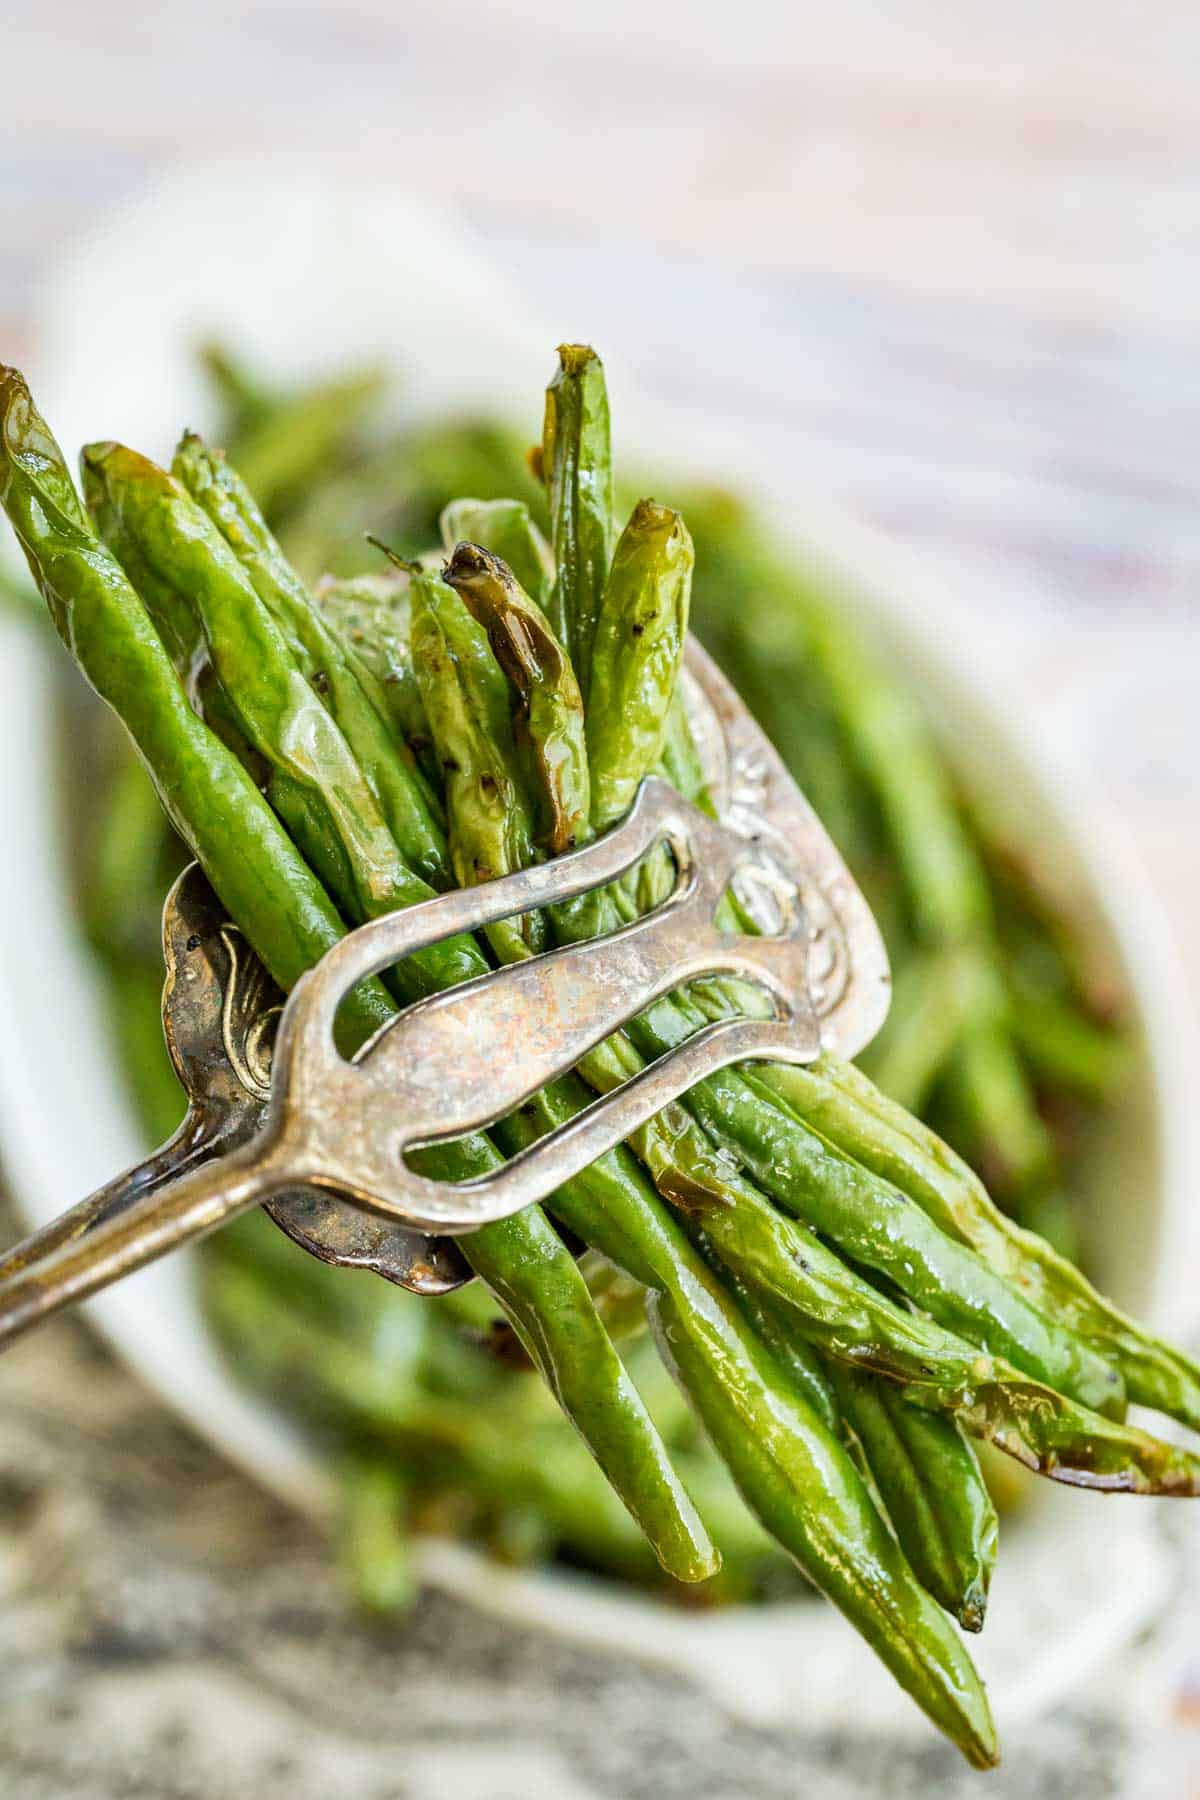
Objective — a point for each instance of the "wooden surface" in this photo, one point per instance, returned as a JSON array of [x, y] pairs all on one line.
[[944, 260]]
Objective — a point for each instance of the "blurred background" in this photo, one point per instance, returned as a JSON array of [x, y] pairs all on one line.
[[938, 265]]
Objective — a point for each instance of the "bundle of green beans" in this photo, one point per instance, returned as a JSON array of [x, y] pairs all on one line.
[[842, 1307], [1007, 1036]]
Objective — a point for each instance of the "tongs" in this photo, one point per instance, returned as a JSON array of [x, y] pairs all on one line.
[[277, 1115]]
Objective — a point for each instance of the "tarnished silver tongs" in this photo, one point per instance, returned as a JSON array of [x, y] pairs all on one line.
[[324, 1142]]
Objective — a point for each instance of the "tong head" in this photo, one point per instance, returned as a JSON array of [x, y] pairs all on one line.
[[324, 1143], [221, 1011], [459, 1060]]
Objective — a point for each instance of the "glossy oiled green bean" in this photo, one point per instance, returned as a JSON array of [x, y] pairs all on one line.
[[933, 997], [371, 615], [636, 653], [534, 1276], [846, 1109], [874, 1223], [505, 528], [799, 1480], [885, 1231], [550, 725], [803, 1367], [466, 702], [577, 468], [793, 1274], [349, 690], [930, 1484]]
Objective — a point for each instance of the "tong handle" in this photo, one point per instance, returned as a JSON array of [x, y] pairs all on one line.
[[142, 1230], [199, 1137]]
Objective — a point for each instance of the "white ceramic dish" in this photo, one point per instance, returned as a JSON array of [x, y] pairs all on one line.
[[281, 274]]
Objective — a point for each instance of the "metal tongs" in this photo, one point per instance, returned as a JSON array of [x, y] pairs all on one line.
[[278, 1116]]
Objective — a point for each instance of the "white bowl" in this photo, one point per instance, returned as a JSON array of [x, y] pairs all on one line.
[[281, 274]]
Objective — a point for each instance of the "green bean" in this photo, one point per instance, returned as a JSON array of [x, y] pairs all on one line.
[[1005, 1137], [290, 921], [625, 1226], [465, 699], [797, 1478], [576, 461], [373, 1542], [371, 614], [174, 618], [550, 723], [961, 1294], [790, 1272], [535, 1278], [246, 399], [869, 1220], [929, 1482], [879, 1226], [348, 689], [1064, 1046], [506, 529], [846, 1109], [805, 1370], [295, 436], [933, 996], [636, 653]]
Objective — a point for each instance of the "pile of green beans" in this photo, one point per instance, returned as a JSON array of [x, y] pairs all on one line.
[[843, 1309]]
